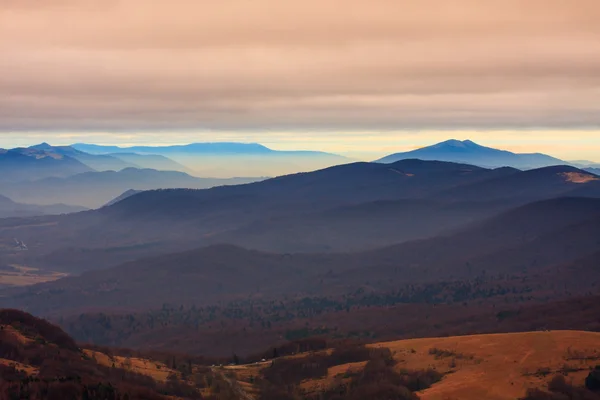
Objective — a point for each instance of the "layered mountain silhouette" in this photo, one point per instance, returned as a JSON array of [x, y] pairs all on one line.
[[114, 162], [547, 182], [470, 152], [95, 189], [196, 148], [228, 159], [98, 162], [435, 246], [345, 208], [22, 164], [539, 239], [151, 161]]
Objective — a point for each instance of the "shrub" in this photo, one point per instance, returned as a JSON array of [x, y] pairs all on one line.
[[592, 382]]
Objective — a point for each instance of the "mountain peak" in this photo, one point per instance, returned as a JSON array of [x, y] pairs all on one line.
[[42, 147], [469, 152], [456, 143]]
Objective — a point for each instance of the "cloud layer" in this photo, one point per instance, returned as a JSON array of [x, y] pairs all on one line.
[[127, 65]]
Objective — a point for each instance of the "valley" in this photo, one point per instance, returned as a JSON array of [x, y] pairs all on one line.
[[401, 258]]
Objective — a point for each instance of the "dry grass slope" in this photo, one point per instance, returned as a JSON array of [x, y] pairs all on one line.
[[491, 366], [498, 366]]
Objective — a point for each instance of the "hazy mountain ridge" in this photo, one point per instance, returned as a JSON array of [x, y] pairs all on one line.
[[10, 209], [230, 159], [122, 196], [257, 214], [470, 152], [151, 161], [98, 162], [22, 164], [116, 161], [166, 270], [529, 185], [200, 148], [595, 171], [525, 240], [95, 189]]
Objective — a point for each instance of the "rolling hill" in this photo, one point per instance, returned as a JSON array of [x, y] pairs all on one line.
[[535, 240], [471, 153], [40, 361], [306, 212], [319, 190], [358, 227], [547, 182], [497, 367], [162, 221]]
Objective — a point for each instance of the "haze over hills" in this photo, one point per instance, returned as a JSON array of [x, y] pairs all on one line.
[[151, 161], [94, 189], [27, 164], [198, 148], [470, 152], [123, 196], [595, 171], [98, 162], [547, 182], [230, 159], [366, 251], [336, 209], [114, 162], [300, 200], [10, 209], [525, 241]]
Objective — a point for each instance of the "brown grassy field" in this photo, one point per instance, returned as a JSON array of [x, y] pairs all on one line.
[[154, 369], [491, 367], [498, 366]]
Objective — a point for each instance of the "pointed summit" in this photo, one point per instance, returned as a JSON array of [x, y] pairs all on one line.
[[469, 152], [454, 143], [42, 146]]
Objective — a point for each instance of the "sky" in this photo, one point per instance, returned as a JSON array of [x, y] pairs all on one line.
[[360, 78]]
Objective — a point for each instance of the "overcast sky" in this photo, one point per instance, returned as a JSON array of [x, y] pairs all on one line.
[[370, 76]]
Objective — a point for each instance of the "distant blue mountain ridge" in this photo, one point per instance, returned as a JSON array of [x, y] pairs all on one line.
[[217, 148], [469, 152]]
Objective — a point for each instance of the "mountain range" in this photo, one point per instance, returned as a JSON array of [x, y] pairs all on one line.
[[197, 148], [94, 189], [543, 239], [113, 162], [23, 164], [430, 246], [469, 152], [225, 160], [350, 207]]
